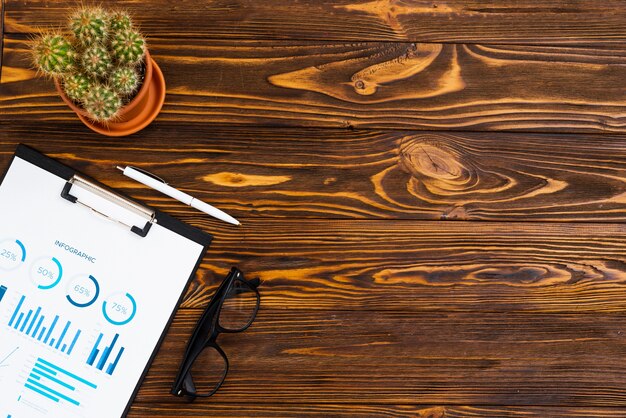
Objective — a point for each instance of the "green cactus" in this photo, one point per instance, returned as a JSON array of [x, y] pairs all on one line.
[[101, 102], [124, 80], [75, 86], [99, 67], [96, 61], [53, 54], [128, 47], [119, 22], [90, 25]]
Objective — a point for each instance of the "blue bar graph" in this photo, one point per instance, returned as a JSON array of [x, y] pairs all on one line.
[[62, 335], [105, 354], [55, 383], [3, 290], [19, 319], [26, 320], [56, 318], [45, 369], [30, 323], [112, 366], [19, 305], [33, 321], [73, 342], [94, 351], [41, 318]]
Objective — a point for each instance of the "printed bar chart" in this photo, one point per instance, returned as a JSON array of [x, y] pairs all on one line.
[[55, 383], [69, 351], [30, 323], [105, 354]]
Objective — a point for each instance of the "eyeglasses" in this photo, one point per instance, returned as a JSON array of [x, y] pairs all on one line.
[[232, 309]]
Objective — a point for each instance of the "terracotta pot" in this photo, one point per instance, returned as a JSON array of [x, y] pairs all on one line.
[[137, 114]]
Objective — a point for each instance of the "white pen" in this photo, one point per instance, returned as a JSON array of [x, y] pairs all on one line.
[[158, 184]]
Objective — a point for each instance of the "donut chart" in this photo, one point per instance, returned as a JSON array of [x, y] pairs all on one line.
[[46, 272], [12, 254], [83, 290], [119, 308]]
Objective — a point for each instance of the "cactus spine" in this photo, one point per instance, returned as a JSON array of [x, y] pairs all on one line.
[[90, 25], [124, 80], [53, 54], [75, 86], [99, 67], [120, 21], [96, 61], [101, 102], [128, 47]]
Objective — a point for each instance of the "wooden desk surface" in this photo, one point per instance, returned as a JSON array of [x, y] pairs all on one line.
[[433, 194]]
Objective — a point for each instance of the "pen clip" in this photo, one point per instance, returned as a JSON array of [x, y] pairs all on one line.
[[149, 174]]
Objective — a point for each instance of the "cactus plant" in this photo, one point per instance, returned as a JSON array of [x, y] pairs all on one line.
[[96, 61], [124, 80], [99, 68], [101, 102], [53, 54], [120, 21], [90, 25], [75, 86], [128, 47]]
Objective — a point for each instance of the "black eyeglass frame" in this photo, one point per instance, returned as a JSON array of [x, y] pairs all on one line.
[[206, 332]]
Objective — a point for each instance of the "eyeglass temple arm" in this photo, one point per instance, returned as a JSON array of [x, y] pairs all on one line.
[[253, 282]]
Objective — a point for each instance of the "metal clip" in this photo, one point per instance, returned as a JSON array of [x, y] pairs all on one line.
[[142, 211]]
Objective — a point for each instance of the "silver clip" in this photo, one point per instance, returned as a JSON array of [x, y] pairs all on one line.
[[146, 213]]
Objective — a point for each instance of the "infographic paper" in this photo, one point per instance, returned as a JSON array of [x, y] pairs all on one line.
[[83, 301]]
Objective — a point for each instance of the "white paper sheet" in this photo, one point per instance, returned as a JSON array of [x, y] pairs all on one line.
[[52, 254]]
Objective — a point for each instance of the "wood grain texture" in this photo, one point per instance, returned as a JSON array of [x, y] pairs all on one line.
[[370, 305], [2, 28], [364, 85], [342, 174], [355, 264], [422, 266], [527, 21], [215, 409], [344, 357]]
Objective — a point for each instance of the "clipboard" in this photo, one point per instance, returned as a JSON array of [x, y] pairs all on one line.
[[90, 280]]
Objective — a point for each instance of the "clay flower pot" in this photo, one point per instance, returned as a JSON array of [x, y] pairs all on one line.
[[137, 114]]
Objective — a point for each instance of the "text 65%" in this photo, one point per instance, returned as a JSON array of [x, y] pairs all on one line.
[[82, 290]]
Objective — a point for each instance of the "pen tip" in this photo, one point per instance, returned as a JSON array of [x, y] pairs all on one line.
[[119, 168]]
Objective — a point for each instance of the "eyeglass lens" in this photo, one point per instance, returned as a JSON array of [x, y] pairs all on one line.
[[239, 307], [207, 372]]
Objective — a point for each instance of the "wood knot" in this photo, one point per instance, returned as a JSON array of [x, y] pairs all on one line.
[[436, 164]]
